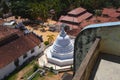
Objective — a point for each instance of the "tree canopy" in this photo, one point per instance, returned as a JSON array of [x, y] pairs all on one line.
[[33, 9]]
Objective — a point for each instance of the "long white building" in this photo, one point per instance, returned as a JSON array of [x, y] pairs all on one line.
[[15, 49]]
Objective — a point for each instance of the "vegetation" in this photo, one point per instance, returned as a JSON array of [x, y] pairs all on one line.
[[46, 42], [34, 9], [35, 67], [4, 8]]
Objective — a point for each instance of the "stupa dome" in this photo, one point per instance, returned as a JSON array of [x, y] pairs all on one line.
[[62, 46], [61, 52]]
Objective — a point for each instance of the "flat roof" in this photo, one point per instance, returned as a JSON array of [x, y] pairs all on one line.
[[106, 68]]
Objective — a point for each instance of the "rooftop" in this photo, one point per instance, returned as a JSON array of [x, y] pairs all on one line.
[[6, 31], [111, 12], [77, 11], [78, 19]]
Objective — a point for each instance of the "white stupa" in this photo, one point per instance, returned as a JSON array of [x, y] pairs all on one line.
[[61, 52]]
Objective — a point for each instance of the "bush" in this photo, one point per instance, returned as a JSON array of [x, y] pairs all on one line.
[[16, 17], [51, 69], [46, 42], [35, 67]]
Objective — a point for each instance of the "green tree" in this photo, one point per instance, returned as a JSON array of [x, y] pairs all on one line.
[[5, 7]]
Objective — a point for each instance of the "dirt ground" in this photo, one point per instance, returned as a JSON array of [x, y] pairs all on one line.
[[44, 34]]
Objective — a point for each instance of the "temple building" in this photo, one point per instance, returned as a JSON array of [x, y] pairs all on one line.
[[74, 18], [61, 52]]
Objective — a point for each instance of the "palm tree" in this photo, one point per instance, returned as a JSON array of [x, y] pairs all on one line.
[[50, 38]]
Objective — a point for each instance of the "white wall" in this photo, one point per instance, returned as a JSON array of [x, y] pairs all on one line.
[[7, 69]]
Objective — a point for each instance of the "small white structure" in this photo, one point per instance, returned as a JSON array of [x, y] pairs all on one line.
[[61, 52], [10, 24]]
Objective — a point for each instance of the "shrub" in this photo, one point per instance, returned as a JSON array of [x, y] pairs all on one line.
[[35, 67], [51, 69], [46, 42], [16, 17]]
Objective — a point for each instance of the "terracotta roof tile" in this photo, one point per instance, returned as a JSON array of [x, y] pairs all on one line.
[[6, 31], [111, 12], [86, 23], [77, 11], [74, 32], [70, 19], [77, 19], [84, 16], [115, 15], [100, 19], [61, 17], [108, 11]]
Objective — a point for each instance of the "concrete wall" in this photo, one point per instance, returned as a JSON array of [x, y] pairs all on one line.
[[5, 71], [110, 40], [88, 62]]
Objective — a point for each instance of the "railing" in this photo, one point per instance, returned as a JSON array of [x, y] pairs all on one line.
[[88, 62]]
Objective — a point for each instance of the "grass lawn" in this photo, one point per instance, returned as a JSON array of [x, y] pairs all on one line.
[[37, 76]]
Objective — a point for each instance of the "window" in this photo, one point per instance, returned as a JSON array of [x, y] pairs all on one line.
[[32, 51], [25, 55], [16, 62]]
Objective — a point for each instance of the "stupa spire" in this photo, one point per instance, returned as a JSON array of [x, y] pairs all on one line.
[[62, 33]]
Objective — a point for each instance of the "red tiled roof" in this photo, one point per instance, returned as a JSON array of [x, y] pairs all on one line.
[[70, 19], [113, 19], [6, 31], [77, 11], [61, 17], [15, 49], [93, 20], [84, 16], [77, 19], [108, 11], [103, 19], [74, 32], [115, 15], [111, 12], [86, 23]]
